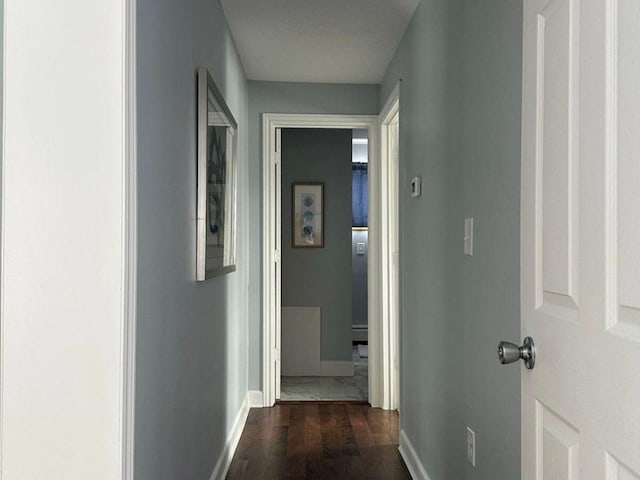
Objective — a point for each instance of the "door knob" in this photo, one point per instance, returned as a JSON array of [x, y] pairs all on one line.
[[510, 352]]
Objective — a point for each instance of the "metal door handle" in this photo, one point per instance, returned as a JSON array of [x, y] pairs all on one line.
[[510, 352]]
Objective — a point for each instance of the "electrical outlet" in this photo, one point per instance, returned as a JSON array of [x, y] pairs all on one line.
[[471, 446]]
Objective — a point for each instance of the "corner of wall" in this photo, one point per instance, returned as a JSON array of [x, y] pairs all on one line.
[[256, 399], [411, 459], [224, 461]]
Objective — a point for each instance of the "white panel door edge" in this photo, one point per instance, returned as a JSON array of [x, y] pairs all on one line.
[[580, 288]]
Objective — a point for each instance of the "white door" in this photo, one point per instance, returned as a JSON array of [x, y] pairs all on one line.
[[581, 239]]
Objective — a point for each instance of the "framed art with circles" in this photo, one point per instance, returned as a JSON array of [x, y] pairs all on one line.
[[307, 215]]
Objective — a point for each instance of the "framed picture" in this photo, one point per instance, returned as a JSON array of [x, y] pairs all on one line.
[[307, 214], [216, 184]]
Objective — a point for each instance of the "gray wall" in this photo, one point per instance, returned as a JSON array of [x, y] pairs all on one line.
[[192, 337], [488, 149], [430, 380], [1, 76], [282, 97], [320, 276], [359, 293], [460, 65]]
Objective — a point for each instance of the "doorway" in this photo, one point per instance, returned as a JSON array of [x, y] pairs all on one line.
[[381, 348], [323, 264]]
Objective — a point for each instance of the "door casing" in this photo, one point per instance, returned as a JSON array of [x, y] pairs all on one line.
[[379, 347]]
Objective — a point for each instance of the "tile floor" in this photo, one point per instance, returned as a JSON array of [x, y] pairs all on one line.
[[329, 388]]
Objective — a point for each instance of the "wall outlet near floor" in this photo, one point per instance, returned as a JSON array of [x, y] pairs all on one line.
[[471, 446]]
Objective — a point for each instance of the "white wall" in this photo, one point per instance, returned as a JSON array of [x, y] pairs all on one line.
[[62, 239], [191, 337]]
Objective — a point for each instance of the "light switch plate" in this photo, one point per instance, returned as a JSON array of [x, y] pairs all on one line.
[[471, 446], [416, 187], [360, 248], [468, 236]]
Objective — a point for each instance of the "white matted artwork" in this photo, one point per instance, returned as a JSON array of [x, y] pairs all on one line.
[[300, 341], [308, 215]]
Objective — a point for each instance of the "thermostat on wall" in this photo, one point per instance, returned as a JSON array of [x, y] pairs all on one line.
[[416, 188]]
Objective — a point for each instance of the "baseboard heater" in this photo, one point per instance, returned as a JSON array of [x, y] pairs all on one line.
[[359, 333]]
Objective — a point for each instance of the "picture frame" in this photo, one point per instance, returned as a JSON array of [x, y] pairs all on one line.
[[217, 147], [307, 215]]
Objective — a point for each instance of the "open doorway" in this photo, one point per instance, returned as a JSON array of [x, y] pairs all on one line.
[[380, 345], [324, 213], [359, 255]]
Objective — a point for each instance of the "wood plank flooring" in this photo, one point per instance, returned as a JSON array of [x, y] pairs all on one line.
[[319, 441]]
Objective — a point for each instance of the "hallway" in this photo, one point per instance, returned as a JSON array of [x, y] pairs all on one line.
[[319, 441], [511, 163]]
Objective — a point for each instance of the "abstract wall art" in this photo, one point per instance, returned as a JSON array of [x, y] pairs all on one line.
[[216, 190]]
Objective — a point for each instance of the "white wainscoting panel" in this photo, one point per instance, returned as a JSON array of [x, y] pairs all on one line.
[[256, 399], [335, 368], [300, 341]]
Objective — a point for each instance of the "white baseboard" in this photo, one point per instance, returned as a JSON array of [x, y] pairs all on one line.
[[359, 333], [224, 462], [330, 368], [255, 399], [411, 459]]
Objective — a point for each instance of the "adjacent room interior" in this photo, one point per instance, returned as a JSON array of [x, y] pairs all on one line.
[[324, 265]]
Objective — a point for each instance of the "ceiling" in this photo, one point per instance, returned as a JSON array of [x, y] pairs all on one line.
[[327, 41]]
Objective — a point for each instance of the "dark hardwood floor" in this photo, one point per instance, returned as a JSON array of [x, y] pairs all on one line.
[[319, 441]]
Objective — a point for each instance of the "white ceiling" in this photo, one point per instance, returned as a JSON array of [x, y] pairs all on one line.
[[328, 41]]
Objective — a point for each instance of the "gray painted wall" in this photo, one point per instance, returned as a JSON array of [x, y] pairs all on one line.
[[282, 97], [1, 88], [488, 149], [192, 337], [320, 276], [430, 380], [359, 293], [460, 65]]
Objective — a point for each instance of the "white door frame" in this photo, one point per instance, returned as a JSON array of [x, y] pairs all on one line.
[[379, 346], [390, 247]]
